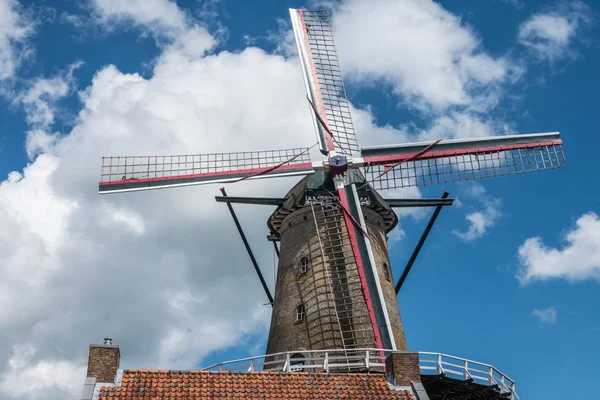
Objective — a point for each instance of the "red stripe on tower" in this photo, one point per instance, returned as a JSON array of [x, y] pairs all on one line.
[[360, 266]]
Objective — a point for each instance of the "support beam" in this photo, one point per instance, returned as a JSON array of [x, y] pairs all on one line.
[[275, 201], [415, 253], [273, 238], [264, 201], [400, 203], [247, 245]]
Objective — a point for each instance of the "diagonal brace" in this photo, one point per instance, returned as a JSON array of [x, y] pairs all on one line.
[[247, 245], [415, 253]]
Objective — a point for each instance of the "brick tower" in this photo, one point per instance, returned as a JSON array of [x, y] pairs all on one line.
[[318, 299]]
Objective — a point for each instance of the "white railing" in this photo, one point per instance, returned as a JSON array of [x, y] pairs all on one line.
[[313, 360], [461, 368], [372, 360]]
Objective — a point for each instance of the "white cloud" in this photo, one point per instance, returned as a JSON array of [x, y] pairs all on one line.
[[546, 316], [40, 100], [429, 57], [15, 28], [550, 34], [76, 265], [48, 379], [172, 28], [162, 17], [480, 221], [577, 260]]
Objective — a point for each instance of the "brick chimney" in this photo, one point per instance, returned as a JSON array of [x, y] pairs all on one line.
[[402, 368], [103, 361]]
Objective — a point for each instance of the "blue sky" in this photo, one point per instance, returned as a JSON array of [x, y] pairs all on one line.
[[164, 273]]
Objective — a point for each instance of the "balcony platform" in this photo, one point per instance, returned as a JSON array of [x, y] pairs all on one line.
[[442, 376]]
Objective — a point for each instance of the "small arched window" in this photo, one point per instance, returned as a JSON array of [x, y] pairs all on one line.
[[300, 313], [386, 272], [304, 265]]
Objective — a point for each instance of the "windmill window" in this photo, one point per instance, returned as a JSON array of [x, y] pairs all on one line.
[[304, 265], [300, 313], [386, 271]]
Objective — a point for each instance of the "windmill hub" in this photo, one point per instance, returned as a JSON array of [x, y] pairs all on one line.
[[338, 164]]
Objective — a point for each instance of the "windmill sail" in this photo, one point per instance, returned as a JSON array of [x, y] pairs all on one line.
[[323, 80], [430, 163], [132, 173]]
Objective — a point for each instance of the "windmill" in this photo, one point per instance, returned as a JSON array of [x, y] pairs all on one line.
[[334, 221]]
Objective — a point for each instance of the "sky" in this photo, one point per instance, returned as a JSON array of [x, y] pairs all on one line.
[[509, 275]]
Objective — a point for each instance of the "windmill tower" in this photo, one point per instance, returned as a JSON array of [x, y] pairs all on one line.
[[334, 288]]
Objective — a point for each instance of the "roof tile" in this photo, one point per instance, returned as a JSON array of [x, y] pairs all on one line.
[[161, 384]]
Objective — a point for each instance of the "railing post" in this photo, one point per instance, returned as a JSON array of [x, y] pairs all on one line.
[[367, 359], [466, 369], [251, 368], [439, 361], [326, 362], [286, 367], [491, 376]]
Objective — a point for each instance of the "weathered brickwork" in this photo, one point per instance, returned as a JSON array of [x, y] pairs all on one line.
[[320, 329], [103, 362], [403, 368]]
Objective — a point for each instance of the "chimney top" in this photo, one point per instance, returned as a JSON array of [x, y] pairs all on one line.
[[103, 361]]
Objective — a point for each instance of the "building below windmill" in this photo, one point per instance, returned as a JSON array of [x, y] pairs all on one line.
[[408, 376]]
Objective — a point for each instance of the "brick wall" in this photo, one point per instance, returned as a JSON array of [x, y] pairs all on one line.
[[403, 368], [103, 362]]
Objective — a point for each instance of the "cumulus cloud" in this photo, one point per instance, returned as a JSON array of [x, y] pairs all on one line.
[[162, 17], [549, 35], [15, 28], [39, 100], [429, 57], [36, 379], [76, 265], [480, 221], [577, 260], [546, 316]]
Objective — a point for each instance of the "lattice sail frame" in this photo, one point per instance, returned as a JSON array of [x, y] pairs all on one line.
[[450, 165], [139, 172], [323, 79]]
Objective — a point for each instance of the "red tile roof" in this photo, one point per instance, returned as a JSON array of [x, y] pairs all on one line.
[[142, 385]]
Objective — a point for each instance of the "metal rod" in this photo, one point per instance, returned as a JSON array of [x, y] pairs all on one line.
[[415, 253], [276, 248], [267, 201], [275, 201], [241, 232], [419, 202]]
